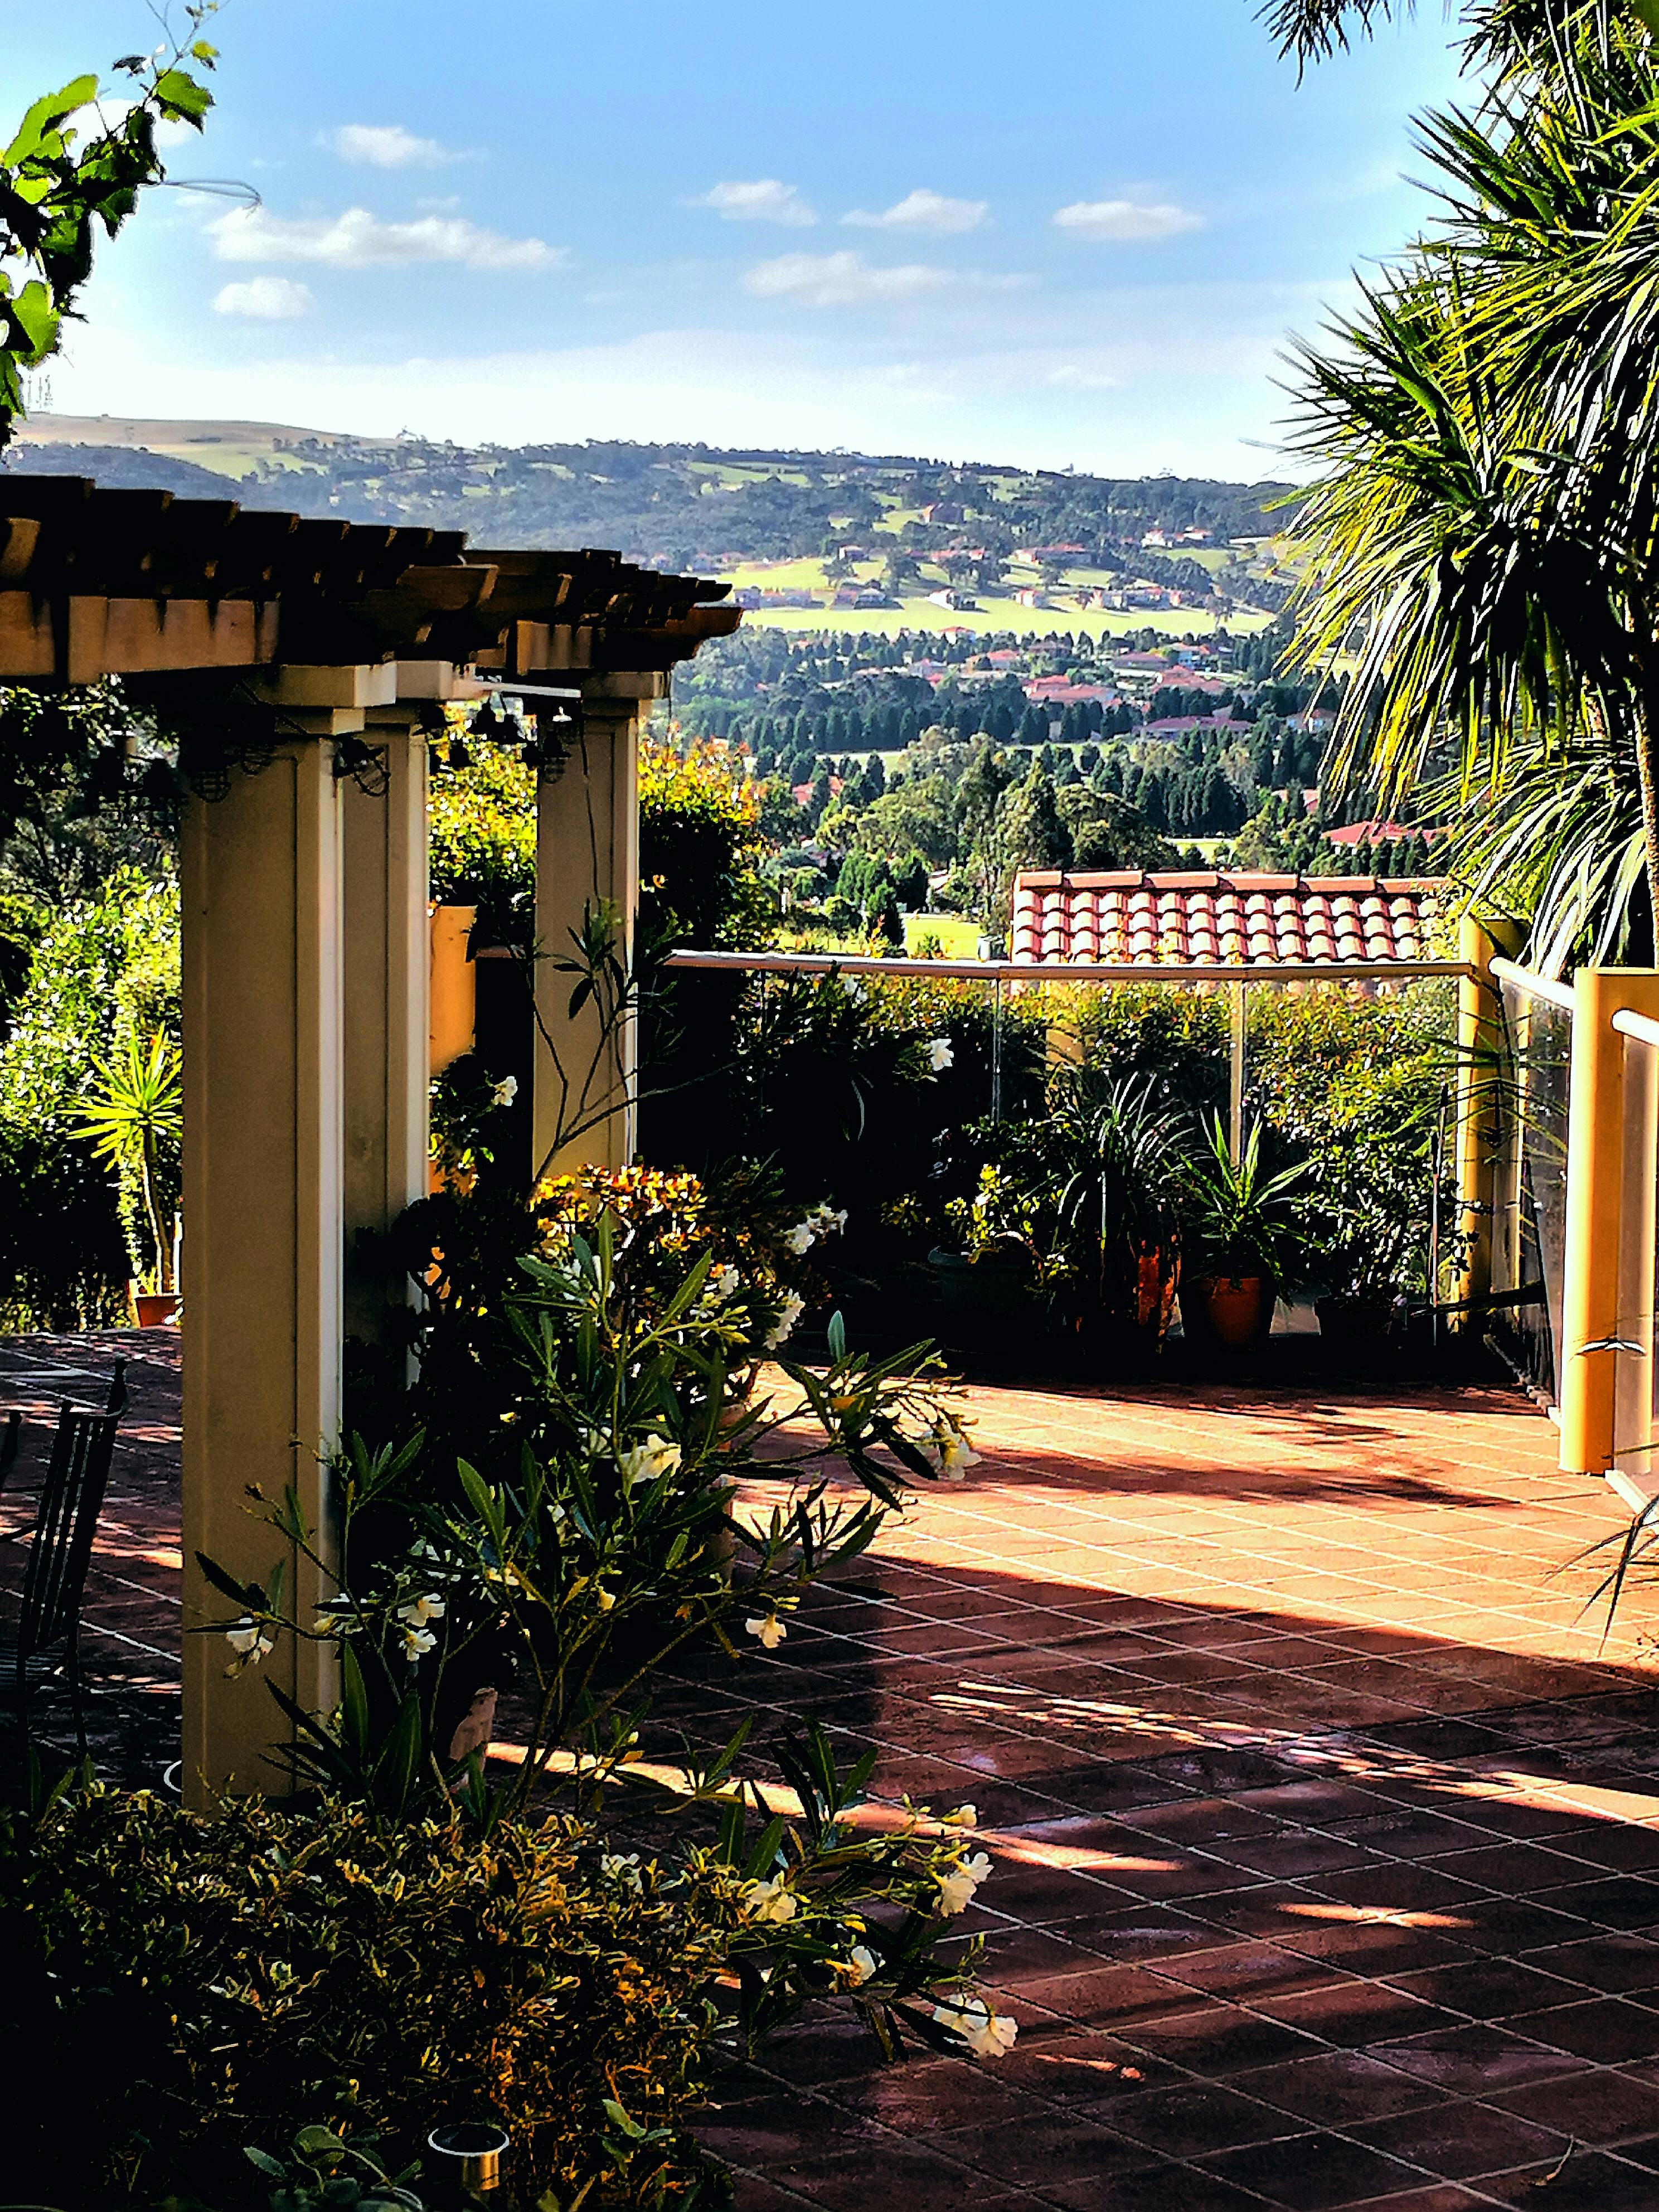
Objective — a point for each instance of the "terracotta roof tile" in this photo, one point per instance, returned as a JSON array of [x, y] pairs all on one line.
[[1189, 918]]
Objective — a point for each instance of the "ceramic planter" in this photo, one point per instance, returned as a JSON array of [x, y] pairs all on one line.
[[153, 1308], [1234, 1310]]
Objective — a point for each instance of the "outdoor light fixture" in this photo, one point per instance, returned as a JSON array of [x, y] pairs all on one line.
[[459, 755], [487, 723], [470, 2159]]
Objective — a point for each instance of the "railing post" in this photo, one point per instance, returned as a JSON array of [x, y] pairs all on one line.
[[1235, 1072], [1597, 1200], [1479, 1104]]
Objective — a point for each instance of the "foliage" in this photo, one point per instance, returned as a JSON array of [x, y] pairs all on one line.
[[1087, 1191], [59, 185], [755, 1240], [132, 1113], [700, 852], [482, 841], [567, 1521], [62, 756], [1485, 422], [1238, 1219], [210, 1984], [101, 975]]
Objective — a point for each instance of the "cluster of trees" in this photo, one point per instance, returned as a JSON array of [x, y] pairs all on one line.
[[894, 776]]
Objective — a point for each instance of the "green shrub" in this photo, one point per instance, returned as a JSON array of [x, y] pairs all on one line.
[[103, 973], [196, 1986], [482, 848]]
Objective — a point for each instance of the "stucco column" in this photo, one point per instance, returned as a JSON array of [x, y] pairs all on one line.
[[263, 1202], [1607, 1266], [1481, 1106], [587, 857], [387, 964]]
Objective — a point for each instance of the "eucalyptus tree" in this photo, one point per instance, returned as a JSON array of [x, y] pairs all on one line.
[[1481, 542]]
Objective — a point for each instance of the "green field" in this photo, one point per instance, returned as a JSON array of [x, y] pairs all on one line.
[[956, 933], [917, 612]]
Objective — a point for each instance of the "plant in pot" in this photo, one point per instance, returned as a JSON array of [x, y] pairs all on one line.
[[1238, 1225], [134, 1116], [1118, 1207]]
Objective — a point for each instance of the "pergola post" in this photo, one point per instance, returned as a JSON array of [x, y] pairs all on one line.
[[263, 894], [1481, 1106], [587, 856], [1606, 1294]]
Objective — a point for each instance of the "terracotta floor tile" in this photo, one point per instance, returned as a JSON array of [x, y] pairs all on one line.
[[1462, 2138], [1310, 2174], [1290, 1670]]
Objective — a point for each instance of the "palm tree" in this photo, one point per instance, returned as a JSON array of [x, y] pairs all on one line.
[[1480, 545], [134, 1110]]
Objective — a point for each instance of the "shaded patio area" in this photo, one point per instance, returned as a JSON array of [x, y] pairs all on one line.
[[1325, 1832]]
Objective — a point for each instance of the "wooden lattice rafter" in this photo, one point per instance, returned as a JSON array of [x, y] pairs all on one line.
[[98, 583]]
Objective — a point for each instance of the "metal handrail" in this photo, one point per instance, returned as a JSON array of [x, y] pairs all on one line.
[[1642, 1027], [1535, 986], [1067, 972]]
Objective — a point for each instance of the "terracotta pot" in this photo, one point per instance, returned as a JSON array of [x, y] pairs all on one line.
[[154, 1308], [1157, 1274], [1240, 1309]]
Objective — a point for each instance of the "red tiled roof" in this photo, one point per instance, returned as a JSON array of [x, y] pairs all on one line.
[[1201, 918]]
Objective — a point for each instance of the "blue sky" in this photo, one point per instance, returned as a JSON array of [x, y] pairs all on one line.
[[1038, 232]]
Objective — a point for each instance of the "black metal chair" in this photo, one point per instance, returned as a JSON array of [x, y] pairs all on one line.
[[46, 1639]]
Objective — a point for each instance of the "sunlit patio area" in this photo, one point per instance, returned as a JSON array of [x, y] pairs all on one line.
[[1322, 1820]]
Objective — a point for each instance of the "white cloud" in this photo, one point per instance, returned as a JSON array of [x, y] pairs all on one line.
[[358, 239], [765, 200], [265, 300], [386, 146], [923, 210], [1069, 377], [847, 280], [1120, 221]]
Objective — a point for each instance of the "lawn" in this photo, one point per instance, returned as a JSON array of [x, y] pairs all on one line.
[[956, 933]]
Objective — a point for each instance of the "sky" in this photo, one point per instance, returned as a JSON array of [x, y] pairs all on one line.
[[1043, 233]]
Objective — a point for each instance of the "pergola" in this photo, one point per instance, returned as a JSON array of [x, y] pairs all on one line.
[[298, 653]]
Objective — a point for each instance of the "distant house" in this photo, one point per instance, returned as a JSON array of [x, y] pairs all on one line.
[[1004, 657], [943, 511], [950, 597], [1154, 537], [1032, 598], [1367, 833]]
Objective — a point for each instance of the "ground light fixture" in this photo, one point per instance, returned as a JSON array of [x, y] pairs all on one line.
[[469, 2159]]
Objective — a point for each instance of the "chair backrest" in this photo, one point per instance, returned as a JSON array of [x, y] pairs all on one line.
[[64, 1525], [11, 1435]]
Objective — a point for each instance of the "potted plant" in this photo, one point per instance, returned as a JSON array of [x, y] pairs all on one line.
[[1238, 1223], [134, 1115], [1118, 1208]]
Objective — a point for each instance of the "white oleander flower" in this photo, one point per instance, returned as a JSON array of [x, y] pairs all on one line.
[[724, 1282], [801, 1238], [941, 1055], [965, 1816], [604, 1596], [337, 1616], [790, 1308], [649, 1461], [952, 1453], [770, 1901], [621, 1868], [858, 1969], [957, 1884], [417, 1642], [855, 987], [251, 1641], [986, 2034], [420, 1610], [505, 1092], [828, 1220], [768, 1628]]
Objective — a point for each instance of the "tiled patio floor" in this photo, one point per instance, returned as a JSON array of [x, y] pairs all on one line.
[[1327, 1840]]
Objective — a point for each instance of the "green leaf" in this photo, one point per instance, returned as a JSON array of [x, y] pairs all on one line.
[[180, 96], [44, 118], [264, 2161]]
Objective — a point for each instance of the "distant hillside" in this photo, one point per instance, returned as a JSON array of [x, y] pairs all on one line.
[[679, 506]]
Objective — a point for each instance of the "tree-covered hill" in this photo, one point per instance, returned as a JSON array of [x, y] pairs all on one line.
[[695, 507]]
